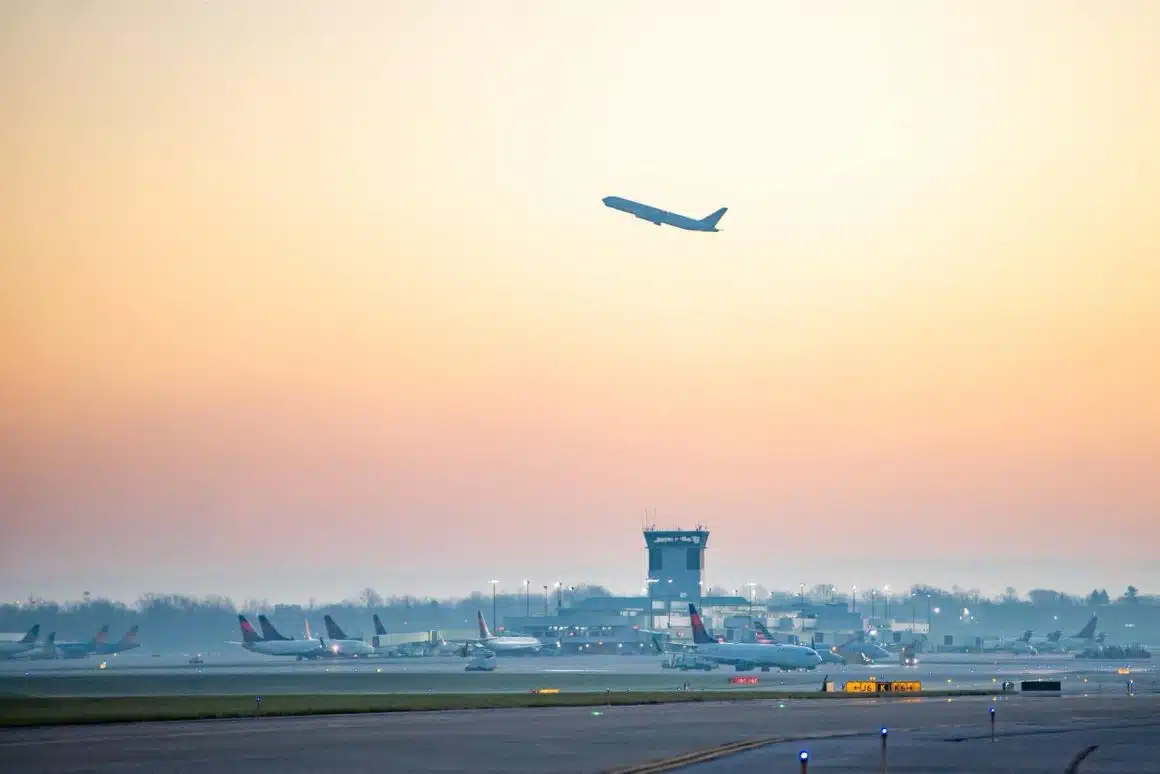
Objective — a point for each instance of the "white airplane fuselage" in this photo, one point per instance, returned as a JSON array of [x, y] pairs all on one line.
[[501, 645], [13, 649], [301, 648], [350, 648], [755, 656]]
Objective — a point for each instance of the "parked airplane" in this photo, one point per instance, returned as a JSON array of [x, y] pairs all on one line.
[[859, 651], [127, 642], [1048, 644], [26, 643], [415, 649], [81, 649], [1084, 638], [282, 646], [1019, 647], [744, 656], [47, 652], [504, 644], [341, 645], [829, 655], [379, 641], [658, 216]]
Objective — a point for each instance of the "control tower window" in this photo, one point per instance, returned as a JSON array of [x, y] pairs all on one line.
[[693, 558], [654, 560]]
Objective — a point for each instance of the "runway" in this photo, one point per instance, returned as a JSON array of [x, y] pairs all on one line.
[[1034, 733], [144, 676]]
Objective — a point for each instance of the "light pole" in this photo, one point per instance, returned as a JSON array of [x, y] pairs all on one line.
[[886, 601], [649, 582], [545, 600], [854, 600], [752, 586], [494, 583], [803, 590], [528, 598], [873, 601], [559, 595], [928, 630]]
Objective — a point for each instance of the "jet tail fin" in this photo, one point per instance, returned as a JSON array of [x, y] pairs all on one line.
[[33, 633], [1089, 629], [712, 220], [484, 632], [380, 630], [102, 636], [700, 636], [333, 631], [269, 633], [248, 633], [130, 637]]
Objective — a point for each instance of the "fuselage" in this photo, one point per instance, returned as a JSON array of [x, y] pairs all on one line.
[[499, 645], [657, 215], [11, 649], [753, 655], [830, 657], [302, 648], [350, 648], [868, 650], [76, 649]]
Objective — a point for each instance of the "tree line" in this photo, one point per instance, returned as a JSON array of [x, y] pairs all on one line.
[[170, 621]]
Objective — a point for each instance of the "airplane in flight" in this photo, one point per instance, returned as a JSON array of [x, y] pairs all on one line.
[[343, 646], [658, 216], [744, 656], [503, 645], [277, 644], [26, 643]]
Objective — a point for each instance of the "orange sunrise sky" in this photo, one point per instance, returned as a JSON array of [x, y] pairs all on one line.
[[302, 297]]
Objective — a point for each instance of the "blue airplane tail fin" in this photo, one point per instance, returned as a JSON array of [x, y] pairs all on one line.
[[712, 220]]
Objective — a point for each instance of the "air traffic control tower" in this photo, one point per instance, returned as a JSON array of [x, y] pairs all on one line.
[[676, 565]]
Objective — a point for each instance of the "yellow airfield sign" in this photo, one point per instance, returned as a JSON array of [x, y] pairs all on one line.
[[890, 686]]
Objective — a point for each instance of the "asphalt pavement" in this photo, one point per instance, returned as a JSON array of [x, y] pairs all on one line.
[[936, 735]]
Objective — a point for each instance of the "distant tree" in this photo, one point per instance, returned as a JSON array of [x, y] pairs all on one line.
[[1043, 597], [369, 598], [924, 590], [1010, 595], [820, 592], [1132, 595], [1098, 597]]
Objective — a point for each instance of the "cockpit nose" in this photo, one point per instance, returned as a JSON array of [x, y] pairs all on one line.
[[607, 199]]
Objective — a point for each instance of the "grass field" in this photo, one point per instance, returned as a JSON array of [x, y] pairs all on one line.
[[28, 711]]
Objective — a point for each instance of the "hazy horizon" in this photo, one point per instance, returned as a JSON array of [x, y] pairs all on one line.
[[298, 298]]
